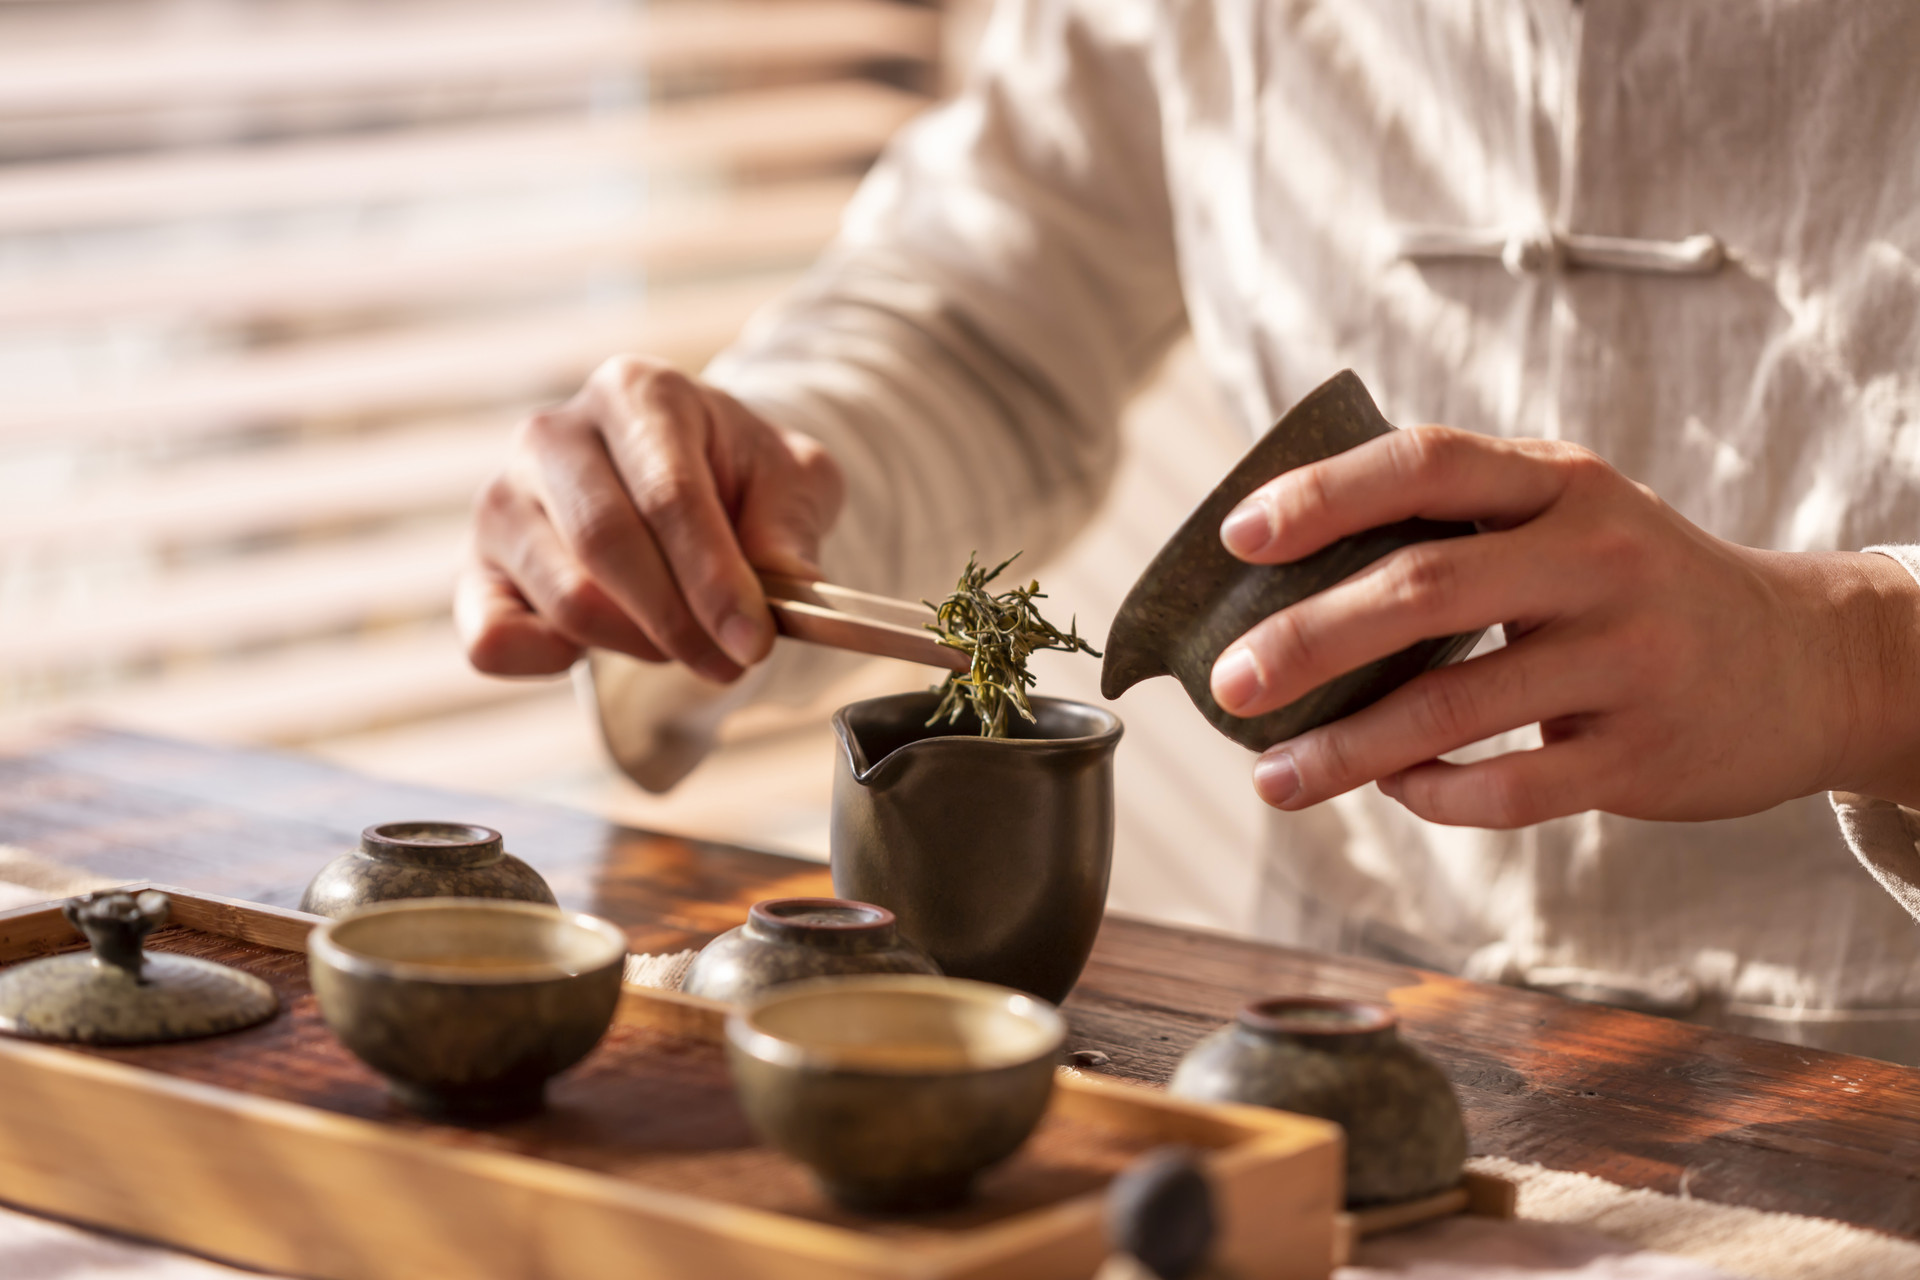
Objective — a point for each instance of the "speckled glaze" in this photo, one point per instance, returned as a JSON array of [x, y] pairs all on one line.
[[1343, 1061], [792, 939], [423, 860], [993, 852], [119, 994], [467, 1006], [896, 1090], [1195, 598]]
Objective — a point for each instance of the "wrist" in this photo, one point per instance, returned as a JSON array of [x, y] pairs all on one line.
[[1870, 604]]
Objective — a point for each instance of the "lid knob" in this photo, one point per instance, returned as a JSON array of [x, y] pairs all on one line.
[[116, 924]]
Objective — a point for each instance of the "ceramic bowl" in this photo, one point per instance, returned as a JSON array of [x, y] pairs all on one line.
[[895, 1090], [1340, 1060], [993, 852], [1195, 598], [423, 860], [792, 939], [467, 1006]]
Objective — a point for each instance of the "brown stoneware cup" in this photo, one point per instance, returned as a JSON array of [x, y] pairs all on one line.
[[1340, 1060], [423, 860], [792, 939], [1195, 598], [896, 1090], [992, 852], [467, 1006]]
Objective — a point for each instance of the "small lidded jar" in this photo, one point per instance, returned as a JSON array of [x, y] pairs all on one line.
[[1340, 1060], [423, 860], [788, 939]]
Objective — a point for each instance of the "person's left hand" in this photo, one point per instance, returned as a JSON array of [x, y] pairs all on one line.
[[1673, 675]]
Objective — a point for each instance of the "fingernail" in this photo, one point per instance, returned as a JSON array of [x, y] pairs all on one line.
[[1275, 778], [1236, 679], [740, 637], [1247, 529]]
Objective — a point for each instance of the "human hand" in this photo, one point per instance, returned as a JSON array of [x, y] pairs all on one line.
[[1673, 675], [632, 518]]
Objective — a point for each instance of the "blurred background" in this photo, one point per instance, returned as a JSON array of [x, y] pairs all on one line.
[[277, 277]]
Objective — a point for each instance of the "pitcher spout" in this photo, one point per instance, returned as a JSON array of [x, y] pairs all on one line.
[[1128, 662], [859, 764]]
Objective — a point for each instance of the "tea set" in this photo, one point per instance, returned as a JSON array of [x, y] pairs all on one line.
[[898, 1039]]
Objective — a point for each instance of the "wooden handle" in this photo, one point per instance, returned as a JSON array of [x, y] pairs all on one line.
[[841, 618]]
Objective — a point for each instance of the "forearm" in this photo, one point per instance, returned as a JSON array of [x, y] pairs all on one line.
[[1005, 278], [948, 443]]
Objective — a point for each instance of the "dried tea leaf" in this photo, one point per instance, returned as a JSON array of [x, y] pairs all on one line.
[[999, 633]]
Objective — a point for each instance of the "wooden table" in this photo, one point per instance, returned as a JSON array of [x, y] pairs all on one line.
[[1641, 1101]]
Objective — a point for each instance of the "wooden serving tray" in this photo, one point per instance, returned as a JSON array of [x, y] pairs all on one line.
[[275, 1148]]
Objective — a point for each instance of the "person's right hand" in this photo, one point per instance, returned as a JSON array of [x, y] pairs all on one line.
[[632, 518]]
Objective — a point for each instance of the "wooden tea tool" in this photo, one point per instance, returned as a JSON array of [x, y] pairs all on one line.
[[842, 618]]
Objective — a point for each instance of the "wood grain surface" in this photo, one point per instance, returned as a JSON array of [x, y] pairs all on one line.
[[1641, 1101], [641, 1164], [647, 1106]]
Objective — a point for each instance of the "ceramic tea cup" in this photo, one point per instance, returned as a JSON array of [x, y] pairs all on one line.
[[1195, 598], [992, 852], [1340, 1060], [895, 1090], [422, 860], [792, 939], [467, 1006]]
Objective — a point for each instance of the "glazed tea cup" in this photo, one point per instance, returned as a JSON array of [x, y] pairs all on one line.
[[467, 1006], [896, 1090], [993, 853], [1195, 597]]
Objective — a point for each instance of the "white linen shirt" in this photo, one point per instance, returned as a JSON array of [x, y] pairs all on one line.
[[1119, 171]]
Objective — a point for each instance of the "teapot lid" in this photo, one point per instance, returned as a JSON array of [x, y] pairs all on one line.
[[117, 993]]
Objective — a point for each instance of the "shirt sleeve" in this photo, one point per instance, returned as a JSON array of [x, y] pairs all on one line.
[[1004, 279], [1883, 835]]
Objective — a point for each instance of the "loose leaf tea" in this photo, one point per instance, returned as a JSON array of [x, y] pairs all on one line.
[[998, 632]]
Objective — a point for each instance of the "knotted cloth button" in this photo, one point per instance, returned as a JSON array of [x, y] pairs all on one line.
[[1529, 253]]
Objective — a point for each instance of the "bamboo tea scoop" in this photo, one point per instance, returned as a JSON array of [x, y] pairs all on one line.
[[841, 618]]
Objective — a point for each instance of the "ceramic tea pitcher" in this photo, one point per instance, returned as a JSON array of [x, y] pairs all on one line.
[[993, 853], [1195, 598]]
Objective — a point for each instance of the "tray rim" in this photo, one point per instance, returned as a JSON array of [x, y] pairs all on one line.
[[1266, 1139]]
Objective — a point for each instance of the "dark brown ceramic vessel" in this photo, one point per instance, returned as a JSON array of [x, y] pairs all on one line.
[[1340, 1060], [992, 852], [791, 939], [1195, 598], [423, 860], [467, 1006], [896, 1090]]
